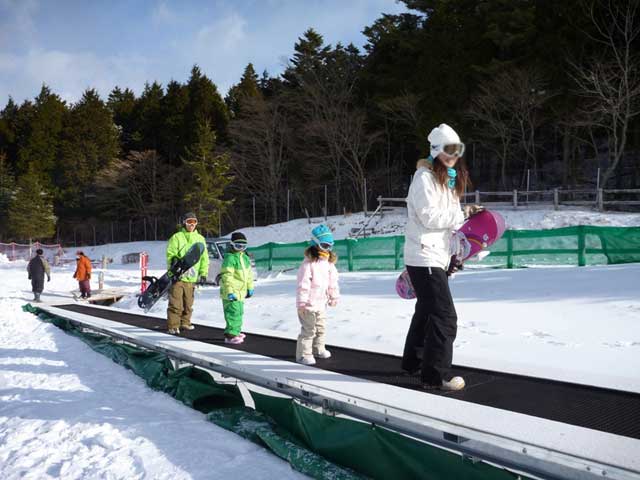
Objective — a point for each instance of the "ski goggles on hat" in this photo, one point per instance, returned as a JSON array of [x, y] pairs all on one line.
[[191, 221], [240, 245], [454, 149], [325, 246]]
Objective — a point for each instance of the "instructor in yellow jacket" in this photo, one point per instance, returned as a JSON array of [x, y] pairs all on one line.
[[181, 292]]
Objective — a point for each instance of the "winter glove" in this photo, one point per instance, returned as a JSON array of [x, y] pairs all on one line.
[[48, 278], [301, 311], [74, 275], [471, 210], [249, 293], [29, 277], [454, 266], [202, 280], [231, 297], [333, 302], [88, 276]]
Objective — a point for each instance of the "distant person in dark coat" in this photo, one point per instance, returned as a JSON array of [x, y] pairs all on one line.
[[83, 274], [38, 267]]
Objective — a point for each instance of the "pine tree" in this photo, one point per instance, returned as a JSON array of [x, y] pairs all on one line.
[[205, 105], [30, 214], [308, 60], [149, 118], [90, 143], [22, 131], [173, 139], [41, 146], [209, 176], [8, 117], [122, 104], [247, 88], [7, 185]]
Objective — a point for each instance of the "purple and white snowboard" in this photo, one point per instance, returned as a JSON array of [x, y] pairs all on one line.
[[479, 232]]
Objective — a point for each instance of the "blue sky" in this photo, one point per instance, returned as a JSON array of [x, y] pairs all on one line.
[[74, 44]]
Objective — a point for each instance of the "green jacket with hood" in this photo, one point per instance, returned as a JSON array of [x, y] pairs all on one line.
[[179, 244], [236, 275]]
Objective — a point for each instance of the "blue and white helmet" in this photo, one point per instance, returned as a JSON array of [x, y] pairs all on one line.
[[322, 238], [443, 138]]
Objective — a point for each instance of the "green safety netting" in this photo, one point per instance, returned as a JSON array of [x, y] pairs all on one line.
[[321, 446], [580, 245]]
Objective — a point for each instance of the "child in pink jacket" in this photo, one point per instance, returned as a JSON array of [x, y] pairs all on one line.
[[317, 288]]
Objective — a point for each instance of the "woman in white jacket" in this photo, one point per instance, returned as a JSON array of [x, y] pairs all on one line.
[[434, 211]]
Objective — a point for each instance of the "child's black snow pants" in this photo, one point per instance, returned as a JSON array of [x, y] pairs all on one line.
[[433, 326]]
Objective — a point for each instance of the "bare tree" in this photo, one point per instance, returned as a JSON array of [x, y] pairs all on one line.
[[358, 143], [260, 151], [322, 106], [404, 111], [143, 181], [507, 113], [493, 125], [335, 132], [611, 81]]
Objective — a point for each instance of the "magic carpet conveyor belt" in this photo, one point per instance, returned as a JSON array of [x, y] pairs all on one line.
[[605, 410]]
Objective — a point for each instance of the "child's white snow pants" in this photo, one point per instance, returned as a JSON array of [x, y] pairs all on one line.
[[312, 333]]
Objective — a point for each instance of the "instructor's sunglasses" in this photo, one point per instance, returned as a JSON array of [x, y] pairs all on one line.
[[454, 149], [240, 246]]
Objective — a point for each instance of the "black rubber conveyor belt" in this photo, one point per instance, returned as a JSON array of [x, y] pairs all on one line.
[[600, 409]]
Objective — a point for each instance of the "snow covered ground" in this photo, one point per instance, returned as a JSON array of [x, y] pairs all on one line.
[[68, 412]]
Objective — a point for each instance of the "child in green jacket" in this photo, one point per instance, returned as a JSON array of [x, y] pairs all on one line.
[[236, 284]]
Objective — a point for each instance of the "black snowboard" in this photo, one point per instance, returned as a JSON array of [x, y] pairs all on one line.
[[159, 287]]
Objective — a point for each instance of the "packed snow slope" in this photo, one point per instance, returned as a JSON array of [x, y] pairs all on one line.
[[68, 412]]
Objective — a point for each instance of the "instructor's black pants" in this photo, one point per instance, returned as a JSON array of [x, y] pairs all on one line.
[[433, 326]]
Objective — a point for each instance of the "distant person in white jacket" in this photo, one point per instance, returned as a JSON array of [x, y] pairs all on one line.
[[434, 210]]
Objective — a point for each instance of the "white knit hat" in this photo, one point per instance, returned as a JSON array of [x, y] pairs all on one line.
[[442, 136]]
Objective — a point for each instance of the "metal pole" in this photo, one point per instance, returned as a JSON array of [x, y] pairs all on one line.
[[598, 180], [365, 196], [528, 172], [325, 203], [254, 211], [288, 192], [601, 199]]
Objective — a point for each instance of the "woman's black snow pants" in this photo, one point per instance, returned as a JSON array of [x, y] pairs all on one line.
[[433, 326]]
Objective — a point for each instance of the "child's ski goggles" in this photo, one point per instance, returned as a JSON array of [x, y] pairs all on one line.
[[240, 245], [325, 246]]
